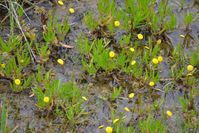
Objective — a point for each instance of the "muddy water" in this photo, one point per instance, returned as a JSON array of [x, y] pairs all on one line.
[[24, 116]]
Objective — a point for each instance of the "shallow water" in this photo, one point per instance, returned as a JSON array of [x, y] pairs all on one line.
[[24, 116]]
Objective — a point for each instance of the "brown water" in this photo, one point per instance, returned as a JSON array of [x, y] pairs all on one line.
[[24, 116]]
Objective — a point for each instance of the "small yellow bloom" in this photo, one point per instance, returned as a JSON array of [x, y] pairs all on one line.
[[101, 126], [115, 121], [21, 61], [133, 62], [109, 129], [46, 99], [140, 36], [182, 36], [60, 2], [111, 54], [126, 109], [160, 58], [3, 65], [151, 83], [117, 23], [132, 49], [131, 95], [159, 41], [71, 10], [190, 68], [146, 47], [17, 81], [155, 61], [129, 22], [169, 113], [85, 98], [189, 74], [60, 61]]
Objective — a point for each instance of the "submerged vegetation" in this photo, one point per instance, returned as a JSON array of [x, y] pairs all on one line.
[[124, 46]]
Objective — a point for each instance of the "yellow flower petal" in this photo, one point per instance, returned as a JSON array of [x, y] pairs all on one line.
[[85, 98], [169, 113], [71, 10], [146, 47], [109, 129], [159, 41], [126, 109], [155, 61], [111, 54], [131, 95], [151, 83], [115, 121], [101, 126], [3, 65], [117, 23], [17, 81], [140, 36], [132, 49], [160, 58], [46, 99], [190, 68], [182, 36], [189, 74], [60, 2], [60, 61], [133, 62]]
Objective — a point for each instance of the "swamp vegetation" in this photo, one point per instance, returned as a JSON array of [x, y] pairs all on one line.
[[99, 66]]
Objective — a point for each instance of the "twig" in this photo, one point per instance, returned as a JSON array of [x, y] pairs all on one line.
[[18, 23], [13, 130], [24, 10]]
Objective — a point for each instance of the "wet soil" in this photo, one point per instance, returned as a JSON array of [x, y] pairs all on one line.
[[24, 116]]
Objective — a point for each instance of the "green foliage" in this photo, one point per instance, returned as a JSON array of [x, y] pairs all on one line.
[[66, 95], [115, 94], [62, 29], [11, 45], [3, 118], [152, 126], [90, 22], [43, 51], [188, 18]]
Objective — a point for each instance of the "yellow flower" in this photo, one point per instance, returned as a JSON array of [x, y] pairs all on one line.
[[146, 47], [46, 99], [111, 54], [101, 126], [182, 36], [131, 95], [160, 58], [140, 36], [169, 113], [115, 121], [17, 81], [3, 65], [60, 61], [126, 109], [133, 62], [151, 83], [60, 2], [190, 68], [155, 61], [21, 61], [117, 23], [71, 10], [85, 98], [132, 49], [109, 129], [189, 74], [159, 41]]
